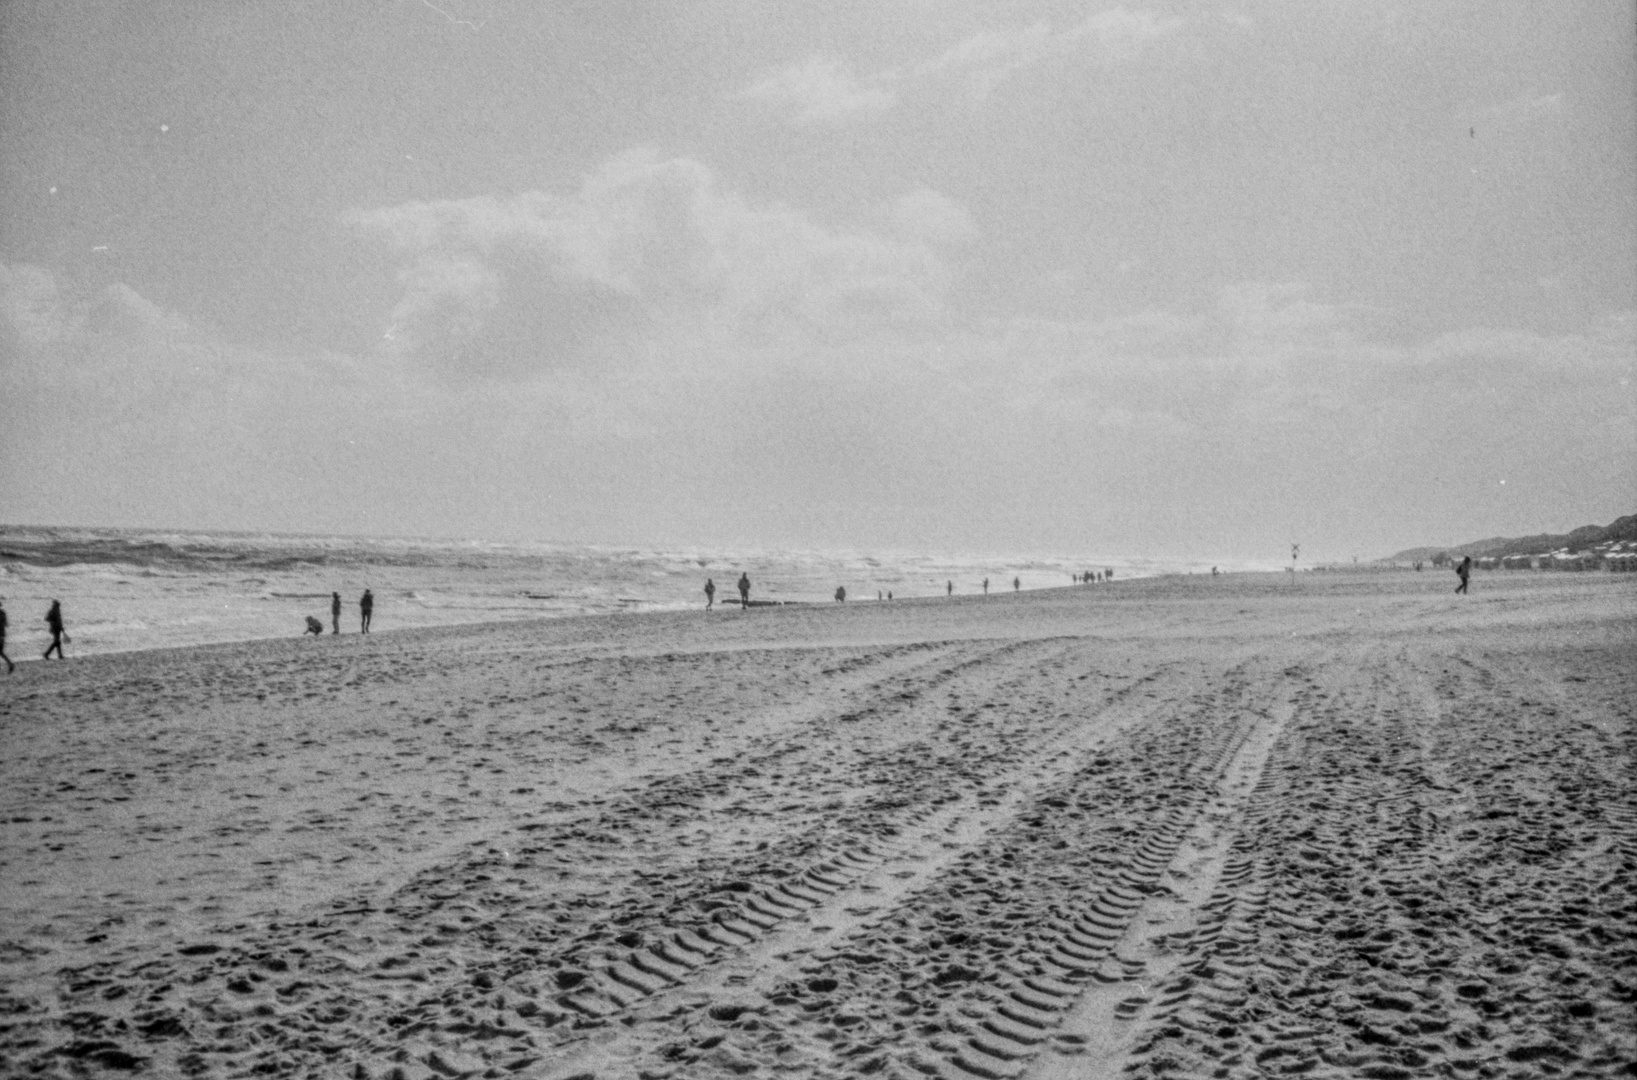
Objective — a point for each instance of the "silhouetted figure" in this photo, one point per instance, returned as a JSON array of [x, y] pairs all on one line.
[[10, 667], [54, 621], [314, 627], [949, 588], [986, 586], [1463, 570], [744, 591], [841, 594], [366, 608], [335, 613], [1017, 583], [1108, 575], [889, 594], [710, 593]]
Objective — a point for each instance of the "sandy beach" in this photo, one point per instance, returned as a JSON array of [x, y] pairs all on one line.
[[1338, 825]]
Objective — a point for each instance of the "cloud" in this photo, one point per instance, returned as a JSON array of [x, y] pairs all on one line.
[[797, 368], [1524, 108], [649, 244], [925, 215], [989, 58], [1122, 31], [30, 305], [37, 317], [821, 90]]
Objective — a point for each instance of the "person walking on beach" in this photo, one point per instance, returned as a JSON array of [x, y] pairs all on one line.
[[744, 591], [949, 588], [366, 608], [10, 667], [1017, 583], [54, 621], [1463, 570], [710, 593], [986, 586], [841, 594], [335, 613]]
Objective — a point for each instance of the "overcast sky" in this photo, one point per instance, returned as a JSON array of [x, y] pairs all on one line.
[[899, 274]]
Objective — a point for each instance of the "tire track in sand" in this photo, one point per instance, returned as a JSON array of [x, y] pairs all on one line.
[[773, 949], [1419, 884], [974, 972], [471, 966]]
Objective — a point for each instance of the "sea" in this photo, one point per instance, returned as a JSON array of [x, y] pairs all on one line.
[[125, 589]]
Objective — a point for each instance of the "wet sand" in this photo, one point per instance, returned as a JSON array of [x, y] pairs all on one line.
[[1348, 825]]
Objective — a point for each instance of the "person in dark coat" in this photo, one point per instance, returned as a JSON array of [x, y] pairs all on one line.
[[10, 667], [710, 593], [744, 590], [1463, 570], [366, 608], [335, 613], [54, 621]]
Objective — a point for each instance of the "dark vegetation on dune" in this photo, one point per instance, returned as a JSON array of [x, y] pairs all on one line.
[[1586, 536]]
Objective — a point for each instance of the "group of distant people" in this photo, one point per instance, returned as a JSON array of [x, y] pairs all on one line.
[[841, 590], [59, 636], [744, 592], [366, 608], [54, 623]]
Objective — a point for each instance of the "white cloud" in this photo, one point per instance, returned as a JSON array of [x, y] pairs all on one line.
[[804, 365], [825, 90], [1262, 312], [649, 242], [122, 310], [1122, 31], [822, 90], [988, 58], [1522, 109], [30, 304]]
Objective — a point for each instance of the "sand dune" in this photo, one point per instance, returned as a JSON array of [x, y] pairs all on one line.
[[1349, 825]]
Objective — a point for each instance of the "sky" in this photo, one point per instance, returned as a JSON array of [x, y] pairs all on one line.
[[913, 275]]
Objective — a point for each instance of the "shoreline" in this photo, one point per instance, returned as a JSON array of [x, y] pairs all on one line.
[[1324, 578]]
